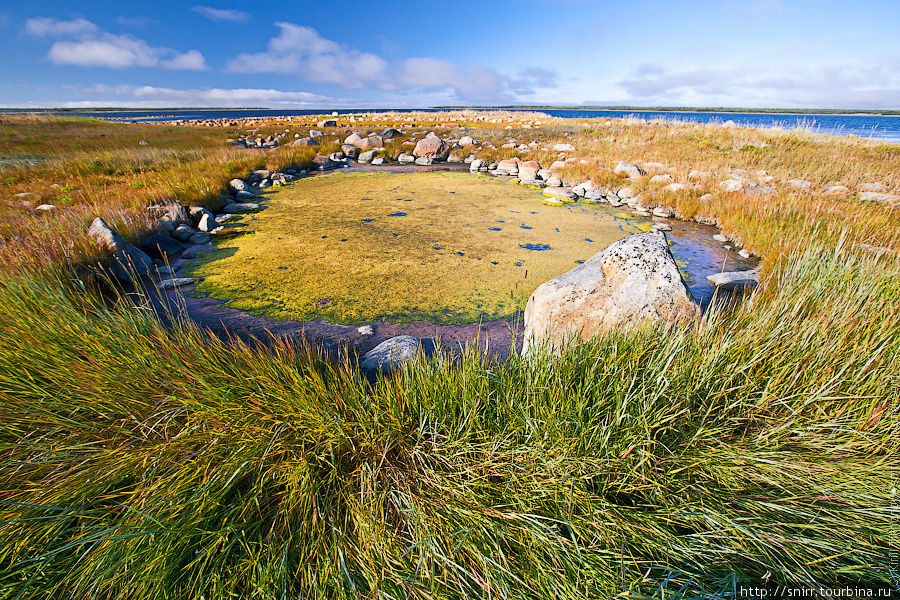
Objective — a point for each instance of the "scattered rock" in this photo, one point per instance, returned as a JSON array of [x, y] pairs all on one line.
[[836, 190], [760, 191], [127, 259], [45, 207], [564, 148], [378, 160], [800, 184], [424, 161], [731, 185], [240, 207], [674, 188], [390, 133], [161, 246], [175, 282], [662, 226], [367, 156], [406, 158], [628, 169], [872, 187], [874, 197], [664, 212], [665, 179], [564, 194], [720, 238], [735, 280], [365, 330], [237, 185], [183, 232], [431, 147], [327, 123], [201, 237], [390, 355], [631, 281]]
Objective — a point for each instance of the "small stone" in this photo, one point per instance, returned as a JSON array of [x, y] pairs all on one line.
[[800, 184], [240, 207], [45, 207], [406, 158], [563, 148], [735, 280], [874, 197], [365, 330], [562, 193], [392, 354], [662, 226], [872, 187], [731, 185], [201, 237], [628, 169], [378, 160], [183, 232], [836, 190], [720, 238], [662, 179], [744, 253], [760, 191], [175, 282], [664, 211]]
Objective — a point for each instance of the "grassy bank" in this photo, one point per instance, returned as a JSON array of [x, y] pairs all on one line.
[[142, 462], [139, 461]]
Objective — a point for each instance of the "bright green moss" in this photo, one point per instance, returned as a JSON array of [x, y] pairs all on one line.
[[456, 255]]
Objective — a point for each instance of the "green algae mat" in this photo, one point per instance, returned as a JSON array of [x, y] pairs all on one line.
[[363, 247]]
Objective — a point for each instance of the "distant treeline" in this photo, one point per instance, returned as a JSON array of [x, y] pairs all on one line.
[[703, 109]]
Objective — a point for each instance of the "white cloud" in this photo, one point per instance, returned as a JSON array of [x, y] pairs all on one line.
[[113, 51], [221, 14], [301, 50], [865, 83], [147, 96], [92, 47], [189, 61], [49, 27]]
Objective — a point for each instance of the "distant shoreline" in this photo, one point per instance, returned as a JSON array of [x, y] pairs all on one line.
[[623, 109]]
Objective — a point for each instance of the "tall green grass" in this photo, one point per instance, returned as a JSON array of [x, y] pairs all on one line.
[[138, 461]]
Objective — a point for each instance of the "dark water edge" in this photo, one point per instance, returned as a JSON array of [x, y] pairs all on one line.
[[880, 127]]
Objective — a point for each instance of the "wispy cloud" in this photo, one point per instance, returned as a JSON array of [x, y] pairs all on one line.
[[863, 83], [163, 97], [301, 50], [221, 14], [86, 45], [50, 27]]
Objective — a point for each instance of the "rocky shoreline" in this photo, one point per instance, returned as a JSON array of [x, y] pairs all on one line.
[[182, 231]]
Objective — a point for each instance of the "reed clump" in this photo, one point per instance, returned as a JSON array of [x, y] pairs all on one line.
[[139, 460]]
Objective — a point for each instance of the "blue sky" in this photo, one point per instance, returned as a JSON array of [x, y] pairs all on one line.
[[753, 53]]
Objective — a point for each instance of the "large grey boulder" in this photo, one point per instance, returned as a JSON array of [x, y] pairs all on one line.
[[431, 147], [391, 354], [127, 260], [630, 282], [370, 143], [353, 139]]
